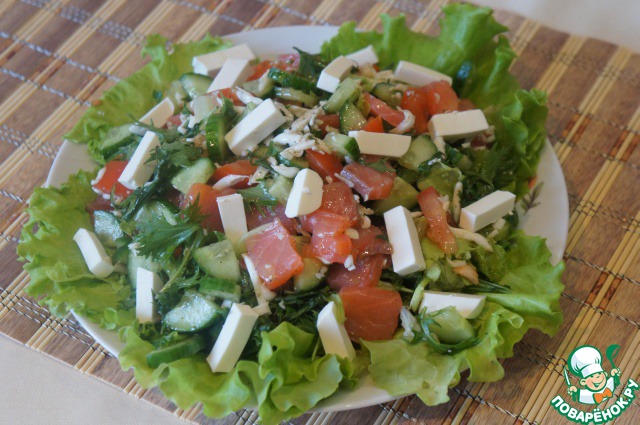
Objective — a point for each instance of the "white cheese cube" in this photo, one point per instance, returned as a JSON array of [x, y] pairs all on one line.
[[458, 125], [333, 334], [234, 220], [93, 252], [407, 255], [138, 170], [260, 122], [157, 116], [417, 75], [147, 285], [306, 194], [384, 144], [487, 210], [364, 56], [335, 72], [234, 72], [210, 62], [233, 337], [469, 306]]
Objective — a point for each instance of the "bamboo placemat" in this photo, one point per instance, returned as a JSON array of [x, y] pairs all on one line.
[[57, 56]]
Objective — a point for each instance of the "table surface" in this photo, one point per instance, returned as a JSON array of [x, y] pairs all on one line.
[[57, 56]]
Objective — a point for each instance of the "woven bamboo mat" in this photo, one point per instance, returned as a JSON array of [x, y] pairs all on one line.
[[57, 56]]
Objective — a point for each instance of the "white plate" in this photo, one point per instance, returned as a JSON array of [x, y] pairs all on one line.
[[550, 219]]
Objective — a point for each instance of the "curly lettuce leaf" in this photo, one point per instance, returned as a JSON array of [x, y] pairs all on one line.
[[59, 275], [133, 96], [285, 382], [468, 48]]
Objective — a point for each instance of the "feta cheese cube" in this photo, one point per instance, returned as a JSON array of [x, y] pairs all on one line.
[[469, 306], [210, 62], [333, 334], [335, 72], [384, 144], [364, 56], [147, 285], [407, 255], [306, 194], [233, 337], [233, 217], [458, 125], [234, 72], [93, 252], [417, 75], [260, 122], [138, 170], [157, 116], [487, 210]]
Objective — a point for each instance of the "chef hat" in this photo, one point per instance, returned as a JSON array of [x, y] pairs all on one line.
[[585, 361]]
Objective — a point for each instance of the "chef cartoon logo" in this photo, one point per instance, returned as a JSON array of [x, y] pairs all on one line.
[[594, 386]]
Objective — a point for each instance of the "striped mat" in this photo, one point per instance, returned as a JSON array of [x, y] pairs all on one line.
[[57, 56]]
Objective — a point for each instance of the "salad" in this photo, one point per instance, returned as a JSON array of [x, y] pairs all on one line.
[[264, 232]]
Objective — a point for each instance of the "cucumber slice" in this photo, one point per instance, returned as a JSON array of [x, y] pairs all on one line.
[[202, 106], [420, 150], [116, 138], [348, 91], [158, 208], [351, 118], [176, 351], [281, 188], [388, 92], [450, 326], [177, 93], [195, 311], [218, 260], [219, 124], [402, 193], [135, 261], [288, 93], [443, 178], [107, 228], [261, 152], [200, 172], [311, 276], [298, 162], [342, 145], [219, 288], [195, 84], [287, 79]]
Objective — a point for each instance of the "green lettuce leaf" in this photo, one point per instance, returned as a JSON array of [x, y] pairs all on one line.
[[132, 97], [59, 275], [467, 42]]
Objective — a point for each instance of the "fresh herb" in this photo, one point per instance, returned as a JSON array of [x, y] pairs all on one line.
[[530, 200], [486, 287], [310, 65], [258, 195]]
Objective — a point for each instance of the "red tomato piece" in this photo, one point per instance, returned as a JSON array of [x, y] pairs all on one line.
[[228, 93], [370, 242], [174, 120], [369, 183], [258, 215], [207, 196], [260, 69], [437, 227], [415, 101], [367, 273], [98, 204], [337, 198], [371, 313], [380, 109], [374, 125], [273, 252], [325, 164], [330, 248], [440, 98], [288, 62], [242, 167], [325, 121], [325, 222], [466, 105], [109, 179], [468, 271]]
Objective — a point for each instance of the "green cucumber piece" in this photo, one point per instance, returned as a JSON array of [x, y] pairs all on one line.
[[107, 228], [288, 93], [116, 138], [420, 150], [159, 208], [218, 260], [247, 110], [311, 275], [194, 312], [200, 172], [287, 79], [348, 91], [195, 84], [351, 118], [176, 92], [402, 193], [298, 162], [262, 87], [217, 126], [179, 350], [450, 326], [261, 152], [342, 145], [388, 92], [442, 177], [219, 288], [135, 261], [281, 188]]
